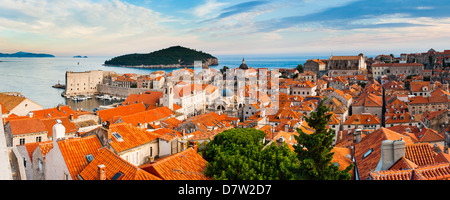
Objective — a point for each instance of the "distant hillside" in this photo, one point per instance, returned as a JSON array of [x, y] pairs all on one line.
[[21, 54], [171, 57]]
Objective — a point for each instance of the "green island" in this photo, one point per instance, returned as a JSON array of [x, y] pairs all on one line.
[[172, 57]]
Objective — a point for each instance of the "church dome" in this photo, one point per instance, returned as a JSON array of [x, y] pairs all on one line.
[[243, 65]]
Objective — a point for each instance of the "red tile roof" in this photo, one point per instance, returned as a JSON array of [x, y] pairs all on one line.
[[74, 151], [147, 116], [358, 119], [108, 114], [186, 165], [373, 141], [369, 100], [421, 154], [49, 122], [148, 98], [131, 136], [27, 125], [60, 111], [113, 165]]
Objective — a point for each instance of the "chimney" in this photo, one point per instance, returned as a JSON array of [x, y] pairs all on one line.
[[357, 136], [280, 141], [71, 117], [387, 155], [399, 149], [58, 108], [101, 172], [59, 132], [183, 132], [391, 152]]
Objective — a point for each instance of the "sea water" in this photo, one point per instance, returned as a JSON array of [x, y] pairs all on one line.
[[34, 77]]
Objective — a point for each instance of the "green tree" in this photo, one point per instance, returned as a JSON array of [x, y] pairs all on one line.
[[314, 150], [299, 68], [240, 154]]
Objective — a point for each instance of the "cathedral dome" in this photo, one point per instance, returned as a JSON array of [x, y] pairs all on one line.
[[243, 65]]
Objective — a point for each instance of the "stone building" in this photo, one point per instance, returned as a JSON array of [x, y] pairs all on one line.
[[346, 65], [315, 65], [396, 69], [84, 83]]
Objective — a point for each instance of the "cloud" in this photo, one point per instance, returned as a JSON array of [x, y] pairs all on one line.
[[210, 6], [238, 9], [62, 21], [343, 17]]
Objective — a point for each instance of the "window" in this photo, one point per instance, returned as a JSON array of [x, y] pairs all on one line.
[[38, 139], [118, 176], [89, 158], [22, 141], [117, 136], [367, 153], [40, 164]]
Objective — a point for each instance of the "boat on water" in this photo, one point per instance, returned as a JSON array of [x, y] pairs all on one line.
[[107, 97]]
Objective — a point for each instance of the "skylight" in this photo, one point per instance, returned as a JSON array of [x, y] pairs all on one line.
[[118, 176], [89, 158], [367, 153], [117, 136]]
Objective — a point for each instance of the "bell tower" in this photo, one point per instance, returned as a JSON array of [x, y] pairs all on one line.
[[168, 93]]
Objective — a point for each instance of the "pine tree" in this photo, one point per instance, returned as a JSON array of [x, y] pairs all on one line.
[[314, 150]]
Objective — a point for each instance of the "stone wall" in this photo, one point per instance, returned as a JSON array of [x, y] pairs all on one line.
[[120, 91]]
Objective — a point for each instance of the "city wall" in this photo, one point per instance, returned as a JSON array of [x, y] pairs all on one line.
[[120, 91]]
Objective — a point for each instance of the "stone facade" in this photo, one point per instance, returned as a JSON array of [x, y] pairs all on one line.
[[83, 83], [346, 65]]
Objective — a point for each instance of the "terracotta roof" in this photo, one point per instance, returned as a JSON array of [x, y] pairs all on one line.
[[148, 98], [439, 171], [342, 94], [208, 120], [421, 154], [147, 116], [108, 114], [373, 141], [70, 126], [10, 101], [25, 126], [4, 110], [114, 165], [357, 119], [429, 135], [418, 86], [399, 118], [167, 134], [342, 156], [396, 64], [45, 147], [186, 165], [74, 151], [171, 123], [344, 57], [397, 104], [369, 100], [131, 137], [61, 111]]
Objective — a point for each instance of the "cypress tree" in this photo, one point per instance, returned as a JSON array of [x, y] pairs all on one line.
[[314, 150]]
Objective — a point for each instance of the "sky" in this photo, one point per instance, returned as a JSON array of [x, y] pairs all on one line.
[[259, 27]]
